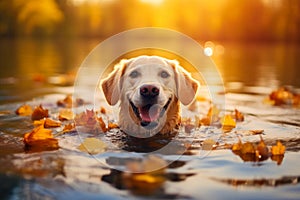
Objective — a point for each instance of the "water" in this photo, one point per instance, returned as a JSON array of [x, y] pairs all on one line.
[[34, 72]]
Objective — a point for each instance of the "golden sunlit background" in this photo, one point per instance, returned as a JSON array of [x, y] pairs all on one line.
[[46, 40], [259, 20]]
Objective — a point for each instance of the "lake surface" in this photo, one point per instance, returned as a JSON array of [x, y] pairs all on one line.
[[28, 65], [42, 72]]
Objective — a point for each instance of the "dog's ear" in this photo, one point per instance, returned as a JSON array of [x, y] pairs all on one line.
[[186, 86], [111, 86]]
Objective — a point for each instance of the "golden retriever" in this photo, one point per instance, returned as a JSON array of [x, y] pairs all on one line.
[[150, 89]]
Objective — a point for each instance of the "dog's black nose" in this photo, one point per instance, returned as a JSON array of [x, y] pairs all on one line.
[[149, 91]]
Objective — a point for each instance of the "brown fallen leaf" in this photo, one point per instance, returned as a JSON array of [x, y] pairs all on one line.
[[103, 110], [47, 123], [228, 123], [67, 102], [92, 146], [24, 110], [212, 116], [248, 147], [262, 150], [39, 113], [238, 116], [258, 152], [102, 124], [69, 128], [87, 118], [90, 122], [65, 115], [40, 139], [282, 96]]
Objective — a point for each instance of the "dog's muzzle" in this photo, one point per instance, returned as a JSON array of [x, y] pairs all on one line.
[[150, 113]]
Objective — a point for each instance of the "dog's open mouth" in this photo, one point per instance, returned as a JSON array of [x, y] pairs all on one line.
[[150, 113]]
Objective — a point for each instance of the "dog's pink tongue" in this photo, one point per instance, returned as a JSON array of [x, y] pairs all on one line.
[[149, 113]]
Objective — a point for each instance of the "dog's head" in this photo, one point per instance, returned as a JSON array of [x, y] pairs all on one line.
[[147, 86]]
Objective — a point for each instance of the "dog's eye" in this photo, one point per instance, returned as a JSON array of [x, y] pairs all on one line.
[[134, 74], [164, 74]]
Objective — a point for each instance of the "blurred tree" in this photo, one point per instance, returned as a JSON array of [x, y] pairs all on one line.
[[38, 17], [244, 20]]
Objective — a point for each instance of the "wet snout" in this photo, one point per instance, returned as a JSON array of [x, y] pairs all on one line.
[[149, 93]]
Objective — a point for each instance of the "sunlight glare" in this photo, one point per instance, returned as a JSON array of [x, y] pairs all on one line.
[[154, 2]]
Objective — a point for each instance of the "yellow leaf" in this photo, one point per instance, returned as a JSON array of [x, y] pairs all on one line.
[[65, 114], [237, 146], [92, 146], [208, 144], [278, 149], [228, 123], [47, 123], [24, 110], [40, 139], [248, 147]]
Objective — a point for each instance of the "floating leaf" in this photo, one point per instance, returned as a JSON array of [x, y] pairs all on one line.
[[92, 146], [90, 121], [238, 116], [228, 123], [208, 144], [47, 123], [112, 125], [67, 102], [102, 124], [282, 96], [248, 147], [65, 114], [69, 127], [211, 116], [262, 150], [258, 152], [39, 113], [24, 110], [278, 149], [237, 146], [40, 139]]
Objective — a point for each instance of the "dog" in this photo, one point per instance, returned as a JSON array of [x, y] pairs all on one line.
[[149, 89]]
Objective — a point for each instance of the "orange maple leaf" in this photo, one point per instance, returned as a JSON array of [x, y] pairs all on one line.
[[24, 110], [40, 139], [39, 113]]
